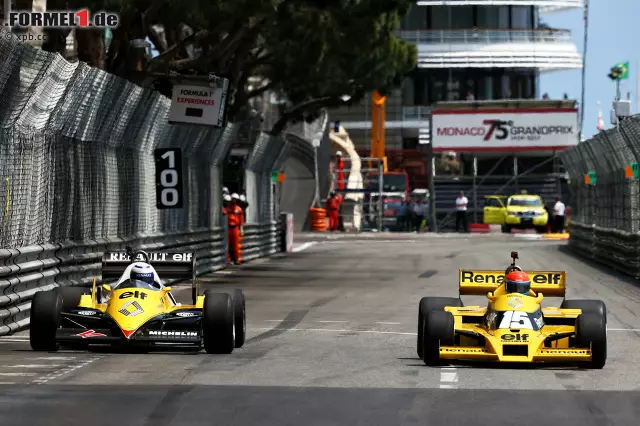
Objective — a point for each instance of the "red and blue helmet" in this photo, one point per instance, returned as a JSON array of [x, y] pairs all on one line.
[[517, 282]]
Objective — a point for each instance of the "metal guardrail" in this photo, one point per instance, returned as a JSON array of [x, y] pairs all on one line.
[[28, 270], [486, 36]]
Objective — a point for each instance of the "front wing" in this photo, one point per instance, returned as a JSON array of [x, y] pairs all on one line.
[[511, 353], [178, 327]]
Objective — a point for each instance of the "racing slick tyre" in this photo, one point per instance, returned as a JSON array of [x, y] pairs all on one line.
[[506, 229], [71, 297], [438, 330], [596, 306], [428, 304], [240, 317], [217, 323], [591, 332], [46, 307]]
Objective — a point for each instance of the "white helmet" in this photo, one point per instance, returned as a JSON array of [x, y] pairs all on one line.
[[227, 197], [243, 198], [235, 196], [144, 272], [339, 153]]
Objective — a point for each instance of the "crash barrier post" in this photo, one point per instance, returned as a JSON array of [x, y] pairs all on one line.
[[605, 197], [286, 232], [77, 148], [318, 219]]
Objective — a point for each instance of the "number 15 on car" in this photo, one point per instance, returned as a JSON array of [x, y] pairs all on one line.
[[168, 178]]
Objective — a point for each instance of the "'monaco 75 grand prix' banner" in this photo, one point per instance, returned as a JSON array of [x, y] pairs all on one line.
[[504, 130]]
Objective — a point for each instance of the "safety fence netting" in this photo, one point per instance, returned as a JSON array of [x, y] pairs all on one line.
[[605, 209], [78, 177]]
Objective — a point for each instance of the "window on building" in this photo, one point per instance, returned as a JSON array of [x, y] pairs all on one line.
[[463, 18], [439, 17], [408, 91], [488, 17], [503, 17], [416, 19], [521, 17]]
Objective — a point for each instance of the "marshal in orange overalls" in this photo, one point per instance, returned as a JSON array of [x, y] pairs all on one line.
[[333, 209], [235, 219], [340, 175]]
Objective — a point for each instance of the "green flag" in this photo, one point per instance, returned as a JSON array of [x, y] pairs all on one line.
[[625, 70]]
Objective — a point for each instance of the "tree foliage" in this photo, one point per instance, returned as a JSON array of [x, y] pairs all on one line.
[[312, 52]]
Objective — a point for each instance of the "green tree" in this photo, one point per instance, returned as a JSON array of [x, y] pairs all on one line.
[[311, 52]]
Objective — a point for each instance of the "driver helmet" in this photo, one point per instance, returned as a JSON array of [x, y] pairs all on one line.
[[143, 272], [517, 282]]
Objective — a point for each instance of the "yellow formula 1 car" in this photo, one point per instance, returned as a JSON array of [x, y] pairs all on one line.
[[513, 327], [134, 312]]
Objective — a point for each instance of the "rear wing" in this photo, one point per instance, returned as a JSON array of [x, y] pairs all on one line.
[[168, 265], [479, 283]]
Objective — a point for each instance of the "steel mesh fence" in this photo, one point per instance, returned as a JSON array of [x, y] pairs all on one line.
[[606, 197], [76, 154]]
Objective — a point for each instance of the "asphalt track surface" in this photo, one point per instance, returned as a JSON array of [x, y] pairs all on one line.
[[332, 342]]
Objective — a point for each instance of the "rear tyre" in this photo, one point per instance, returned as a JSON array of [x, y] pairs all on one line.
[[541, 229], [438, 331], [596, 306], [591, 332], [428, 304], [506, 229], [217, 323], [46, 307], [240, 317]]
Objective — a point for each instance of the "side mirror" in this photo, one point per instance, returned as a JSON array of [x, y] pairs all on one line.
[[539, 297], [106, 287], [166, 289], [491, 296]]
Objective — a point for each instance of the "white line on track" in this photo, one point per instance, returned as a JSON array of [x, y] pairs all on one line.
[[388, 323], [7, 383], [223, 272], [17, 374], [335, 330], [56, 358], [448, 378], [33, 366], [333, 321], [3, 340], [303, 246]]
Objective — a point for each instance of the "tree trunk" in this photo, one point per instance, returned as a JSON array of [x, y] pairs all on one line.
[[91, 47]]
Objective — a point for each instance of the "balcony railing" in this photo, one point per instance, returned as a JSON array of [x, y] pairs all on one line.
[[487, 36], [546, 6], [416, 113]]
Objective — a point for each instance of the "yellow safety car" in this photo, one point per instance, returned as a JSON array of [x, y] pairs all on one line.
[[512, 327], [136, 312], [522, 211]]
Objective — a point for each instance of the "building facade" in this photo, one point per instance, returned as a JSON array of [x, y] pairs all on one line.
[[467, 50]]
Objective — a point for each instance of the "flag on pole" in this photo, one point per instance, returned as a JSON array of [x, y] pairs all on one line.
[[624, 70], [600, 125]]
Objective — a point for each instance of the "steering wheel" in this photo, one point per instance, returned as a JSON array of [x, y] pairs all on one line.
[[144, 254]]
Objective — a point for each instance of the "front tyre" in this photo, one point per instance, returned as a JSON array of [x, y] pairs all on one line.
[[46, 307], [428, 304], [217, 323], [591, 332], [596, 306], [240, 317], [438, 331]]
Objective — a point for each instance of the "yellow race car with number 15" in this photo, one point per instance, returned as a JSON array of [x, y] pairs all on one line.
[[514, 327]]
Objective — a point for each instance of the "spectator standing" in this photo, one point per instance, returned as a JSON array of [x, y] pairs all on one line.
[[419, 215], [461, 212], [403, 214], [558, 214]]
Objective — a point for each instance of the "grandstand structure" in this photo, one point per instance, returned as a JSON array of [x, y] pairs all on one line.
[[482, 55]]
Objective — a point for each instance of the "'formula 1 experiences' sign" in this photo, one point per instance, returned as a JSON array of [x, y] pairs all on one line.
[[495, 130], [199, 104]]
